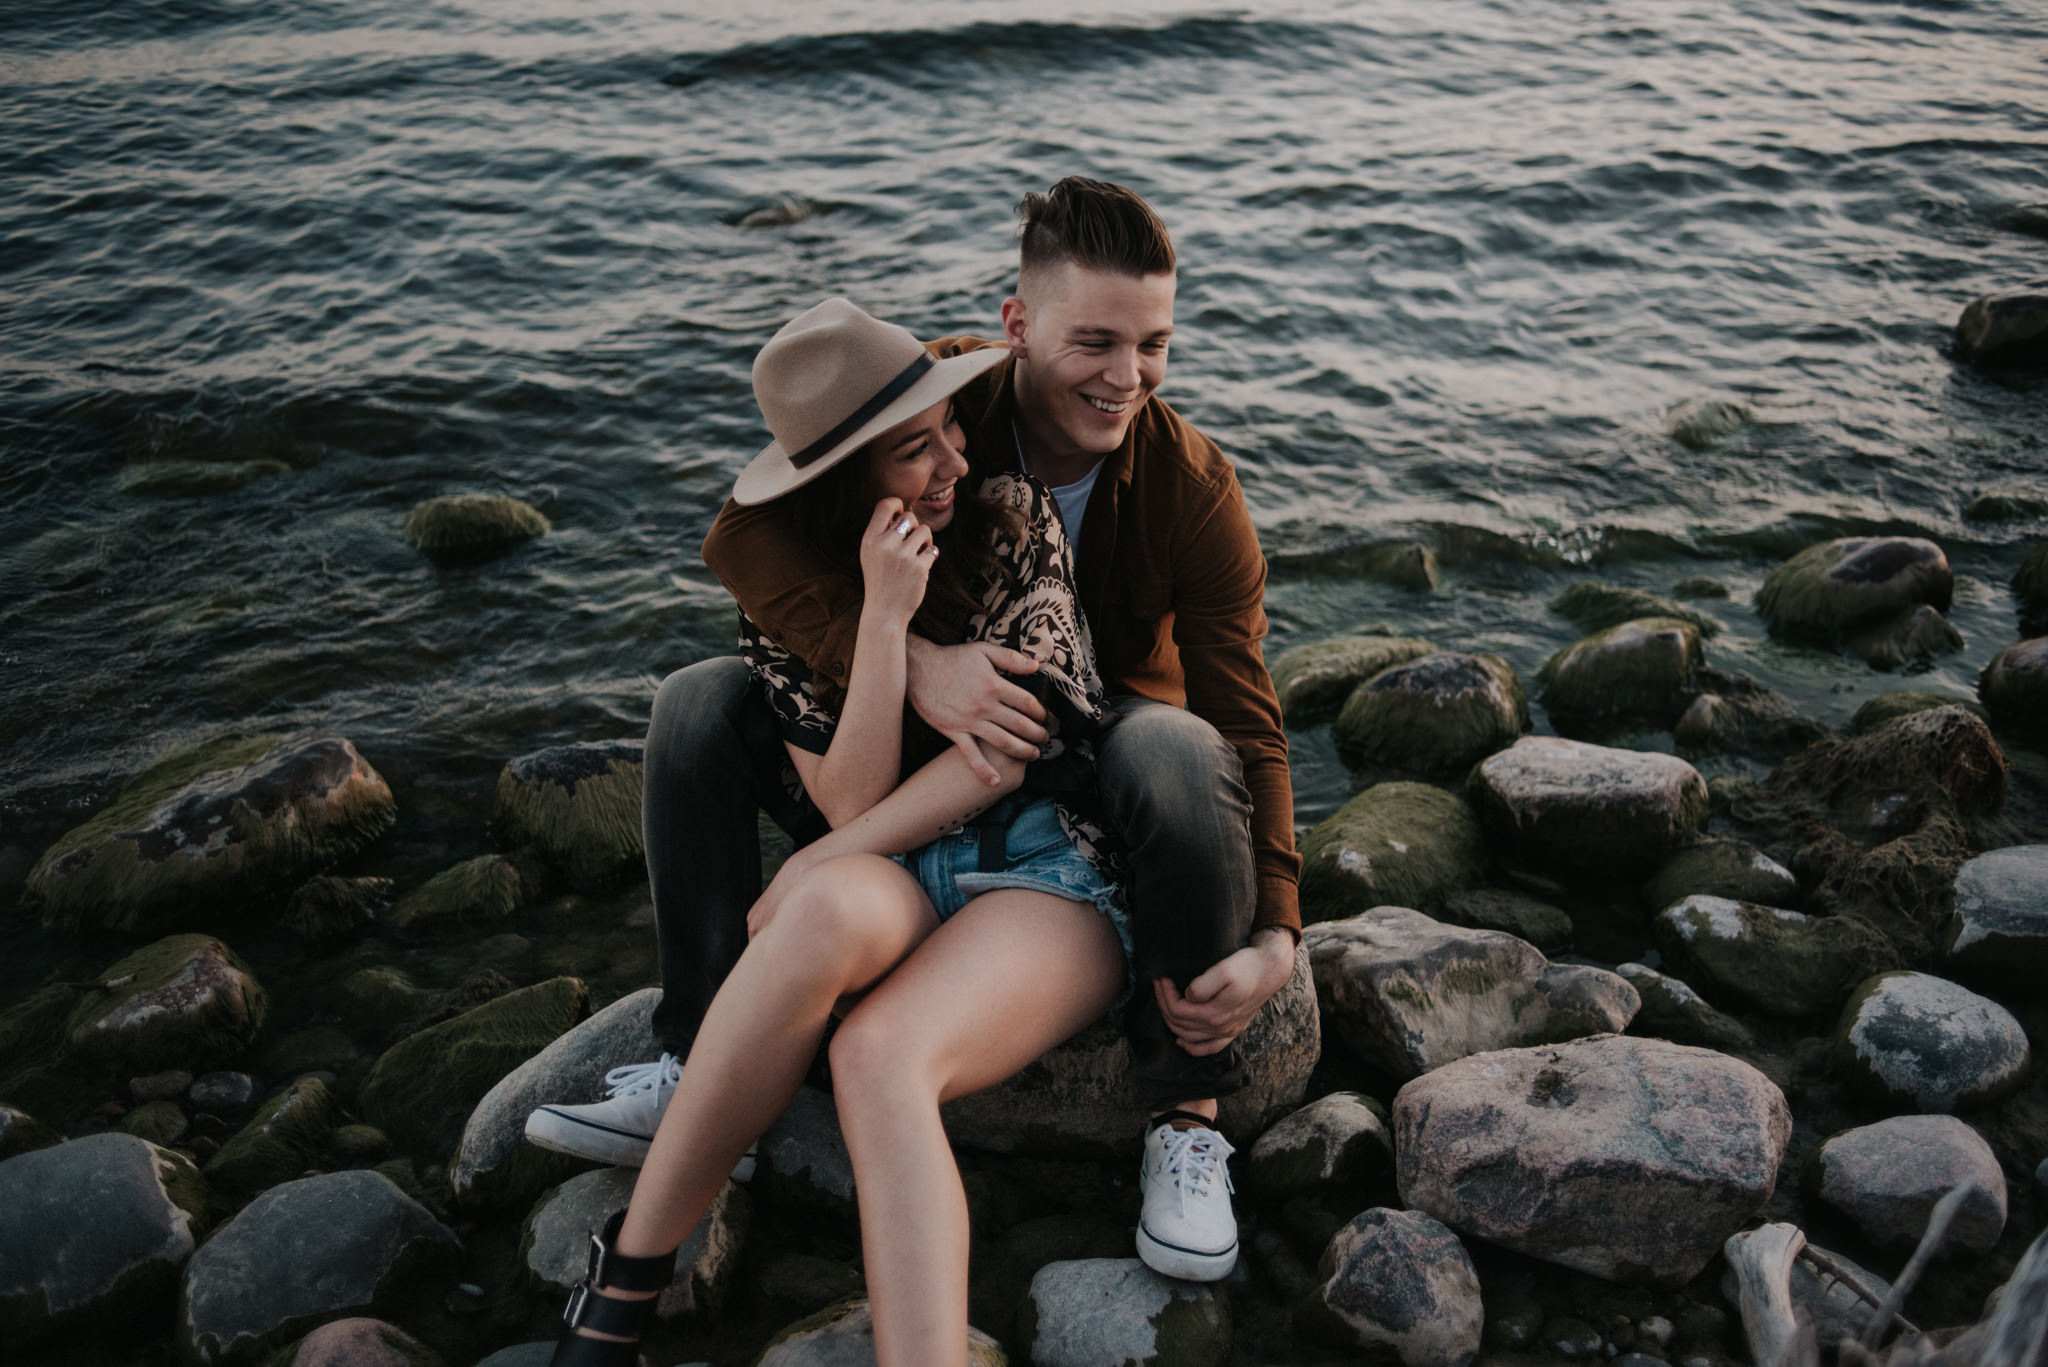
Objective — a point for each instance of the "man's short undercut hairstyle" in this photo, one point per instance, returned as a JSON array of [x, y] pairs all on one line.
[[1091, 223]]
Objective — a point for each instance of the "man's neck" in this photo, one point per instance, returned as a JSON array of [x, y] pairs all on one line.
[[1047, 457]]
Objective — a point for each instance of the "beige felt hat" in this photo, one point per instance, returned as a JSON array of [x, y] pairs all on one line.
[[835, 378]]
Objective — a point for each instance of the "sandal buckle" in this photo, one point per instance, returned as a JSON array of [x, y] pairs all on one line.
[[572, 1315], [600, 1261]]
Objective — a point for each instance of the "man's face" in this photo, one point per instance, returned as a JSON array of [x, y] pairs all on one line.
[[1091, 348]]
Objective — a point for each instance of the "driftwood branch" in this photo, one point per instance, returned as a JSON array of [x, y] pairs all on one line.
[[1762, 1260]]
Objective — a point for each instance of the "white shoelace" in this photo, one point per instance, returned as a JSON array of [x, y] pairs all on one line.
[[1194, 1160], [636, 1078]]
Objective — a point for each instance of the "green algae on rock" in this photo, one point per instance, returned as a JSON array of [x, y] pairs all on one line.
[[1904, 703], [1918, 633], [185, 1001], [1343, 1139], [1780, 962], [2006, 502], [212, 829], [1400, 844], [1829, 592], [1592, 606], [1642, 667], [1437, 714], [2014, 686], [1723, 867], [1314, 680], [287, 1135], [577, 806], [1510, 911], [327, 910], [482, 889], [457, 527]]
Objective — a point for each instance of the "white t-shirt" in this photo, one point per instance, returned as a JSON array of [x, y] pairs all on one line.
[[1072, 499]]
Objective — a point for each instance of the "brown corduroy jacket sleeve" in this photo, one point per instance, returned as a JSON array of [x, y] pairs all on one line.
[[805, 604]]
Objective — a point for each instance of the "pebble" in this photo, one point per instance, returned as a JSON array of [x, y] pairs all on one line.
[[223, 1091], [1574, 1340], [164, 1086]]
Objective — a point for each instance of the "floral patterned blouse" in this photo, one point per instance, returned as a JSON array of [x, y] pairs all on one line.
[[1034, 609]]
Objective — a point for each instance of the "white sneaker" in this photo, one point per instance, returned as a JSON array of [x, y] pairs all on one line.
[[1186, 1229], [619, 1128]]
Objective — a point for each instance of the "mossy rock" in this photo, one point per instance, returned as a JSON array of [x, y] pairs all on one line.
[[210, 831], [462, 527], [1723, 868], [1592, 606], [2007, 502], [36, 1071], [1735, 714], [187, 1001], [1700, 586], [329, 910], [193, 478], [2007, 328], [1395, 844], [1513, 913], [1904, 703], [162, 1123], [1438, 714], [2030, 590], [1915, 635], [1778, 961], [1828, 592], [2014, 686], [577, 806], [1642, 667], [1314, 680], [1697, 424], [287, 1135], [422, 1090], [374, 999], [482, 889]]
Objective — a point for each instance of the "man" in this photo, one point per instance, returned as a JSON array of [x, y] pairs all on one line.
[[1192, 769]]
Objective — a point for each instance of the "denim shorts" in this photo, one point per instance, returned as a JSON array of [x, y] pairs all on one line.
[[1037, 854]]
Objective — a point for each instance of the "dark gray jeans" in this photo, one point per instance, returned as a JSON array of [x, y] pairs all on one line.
[[1167, 781]]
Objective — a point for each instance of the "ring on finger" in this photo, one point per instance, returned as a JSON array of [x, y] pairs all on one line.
[[905, 525]]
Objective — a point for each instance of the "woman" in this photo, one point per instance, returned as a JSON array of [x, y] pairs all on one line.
[[957, 952]]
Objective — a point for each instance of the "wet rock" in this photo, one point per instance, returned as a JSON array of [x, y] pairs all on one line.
[[1408, 994], [302, 1255], [159, 1122], [1398, 1282], [378, 998], [1914, 635], [1998, 932], [1340, 1140], [1314, 680], [288, 1135], [1079, 1097], [1438, 714], [2030, 591], [1915, 1040], [577, 806], [1699, 586], [168, 1085], [494, 1165], [465, 527], [1723, 868], [1400, 844], [1886, 1178], [555, 1245], [1406, 565], [1778, 961], [1510, 912], [1904, 703], [194, 478], [482, 889], [1638, 668], [844, 1336], [359, 1144], [1672, 1010], [2007, 502], [1700, 423], [211, 830], [1108, 1312], [1588, 810], [223, 1091], [1829, 592], [1735, 714], [2007, 328], [319, 1048], [93, 1231], [1594, 607], [21, 1133], [1630, 1159], [2014, 686], [328, 911], [422, 1090], [358, 1342], [779, 212], [180, 1001]]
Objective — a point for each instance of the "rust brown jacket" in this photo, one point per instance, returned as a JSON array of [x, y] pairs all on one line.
[[1171, 577]]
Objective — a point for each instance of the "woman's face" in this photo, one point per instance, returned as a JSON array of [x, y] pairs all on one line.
[[920, 462]]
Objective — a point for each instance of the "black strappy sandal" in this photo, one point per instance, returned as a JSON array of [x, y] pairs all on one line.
[[611, 1271]]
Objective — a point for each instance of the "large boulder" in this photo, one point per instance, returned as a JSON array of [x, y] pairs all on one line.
[[303, 1254], [555, 1246], [1405, 844], [186, 1001], [92, 1231], [1588, 811], [459, 528], [1341, 1140], [1723, 868], [2014, 687], [1829, 592], [285, 1137], [1887, 1178], [494, 1165], [422, 1090], [843, 1335], [357, 1342], [1592, 607], [1918, 1041], [1117, 1312], [577, 806], [1314, 680], [1407, 993], [1778, 961], [1630, 1159], [209, 831], [1998, 932], [1397, 1282], [1079, 1098], [1643, 668], [1434, 715], [2007, 328]]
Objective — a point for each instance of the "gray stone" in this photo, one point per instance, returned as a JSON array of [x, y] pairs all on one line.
[[456, 528], [494, 1165], [1340, 1140], [287, 1135], [803, 1160], [1398, 844], [1438, 714], [168, 1085], [22, 1133], [1584, 810], [92, 1230], [1672, 1010], [358, 1342], [181, 1001], [577, 806], [1630, 1159], [1408, 994], [1581, 1000], [301, 1255], [1830, 591], [1397, 1281], [1510, 912], [2006, 328], [1572, 1339], [1728, 868], [1999, 931], [1314, 680], [555, 1246], [538, 1354], [222, 1091], [1109, 1312], [1637, 668], [1887, 1177], [2014, 686], [1778, 961], [844, 1336], [1700, 423], [1916, 1040]]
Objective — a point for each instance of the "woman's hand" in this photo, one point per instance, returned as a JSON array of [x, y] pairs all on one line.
[[896, 555]]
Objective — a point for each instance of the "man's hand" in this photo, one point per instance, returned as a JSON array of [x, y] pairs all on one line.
[[964, 693], [1218, 1006]]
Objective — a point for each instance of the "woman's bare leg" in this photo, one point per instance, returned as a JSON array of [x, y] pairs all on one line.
[[1012, 975]]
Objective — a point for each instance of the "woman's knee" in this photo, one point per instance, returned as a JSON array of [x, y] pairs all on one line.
[[873, 1053], [833, 909]]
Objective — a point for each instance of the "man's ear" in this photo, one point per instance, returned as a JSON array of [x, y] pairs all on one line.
[[1014, 315]]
